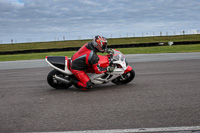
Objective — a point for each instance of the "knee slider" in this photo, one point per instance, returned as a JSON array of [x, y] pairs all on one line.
[[89, 84]]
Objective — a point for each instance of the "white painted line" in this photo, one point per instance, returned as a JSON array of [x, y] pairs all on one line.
[[137, 130]]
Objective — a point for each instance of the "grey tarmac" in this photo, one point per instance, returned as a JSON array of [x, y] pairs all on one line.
[[164, 93]]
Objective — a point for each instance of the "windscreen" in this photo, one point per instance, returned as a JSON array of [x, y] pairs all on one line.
[[118, 56]]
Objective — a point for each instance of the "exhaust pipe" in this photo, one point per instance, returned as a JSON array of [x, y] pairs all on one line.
[[60, 79]]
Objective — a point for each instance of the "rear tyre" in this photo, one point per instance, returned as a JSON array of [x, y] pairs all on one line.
[[55, 83], [127, 77]]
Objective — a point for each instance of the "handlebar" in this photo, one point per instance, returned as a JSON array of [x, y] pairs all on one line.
[[110, 52]]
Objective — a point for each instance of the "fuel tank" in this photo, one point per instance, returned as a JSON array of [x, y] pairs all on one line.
[[103, 61]]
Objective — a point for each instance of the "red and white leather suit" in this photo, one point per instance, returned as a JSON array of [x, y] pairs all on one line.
[[86, 56]]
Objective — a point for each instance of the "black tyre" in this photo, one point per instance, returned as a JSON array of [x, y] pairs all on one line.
[[127, 77], [55, 83]]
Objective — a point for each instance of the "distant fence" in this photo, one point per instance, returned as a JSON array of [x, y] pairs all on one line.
[[109, 46]]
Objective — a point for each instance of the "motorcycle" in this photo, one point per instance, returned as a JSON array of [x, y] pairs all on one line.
[[60, 76]]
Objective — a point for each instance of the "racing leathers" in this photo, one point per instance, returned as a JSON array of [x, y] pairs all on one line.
[[84, 57]]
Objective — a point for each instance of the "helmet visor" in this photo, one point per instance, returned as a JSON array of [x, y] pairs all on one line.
[[104, 45]]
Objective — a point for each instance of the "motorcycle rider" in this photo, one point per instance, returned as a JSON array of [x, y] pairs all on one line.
[[87, 56]]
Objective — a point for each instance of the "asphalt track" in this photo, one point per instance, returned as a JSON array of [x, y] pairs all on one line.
[[165, 93]]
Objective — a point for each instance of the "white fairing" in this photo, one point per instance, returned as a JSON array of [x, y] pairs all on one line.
[[66, 68], [96, 78], [121, 62], [67, 71], [109, 76]]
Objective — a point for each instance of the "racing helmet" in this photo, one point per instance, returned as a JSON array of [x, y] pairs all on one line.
[[100, 43]]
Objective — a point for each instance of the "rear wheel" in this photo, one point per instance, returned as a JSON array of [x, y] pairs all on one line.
[[125, 78], [55, 83]]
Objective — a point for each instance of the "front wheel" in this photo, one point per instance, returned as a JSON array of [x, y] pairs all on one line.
[[124, 78], [55, 83]]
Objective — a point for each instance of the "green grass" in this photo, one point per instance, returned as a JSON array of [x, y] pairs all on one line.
[[140, 50], [79, 43], [163, 49], [155, 39], [34, 56]]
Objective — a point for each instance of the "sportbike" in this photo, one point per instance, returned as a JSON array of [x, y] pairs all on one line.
[[61, 75]]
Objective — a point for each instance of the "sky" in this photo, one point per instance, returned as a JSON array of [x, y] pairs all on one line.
[[53, 20]]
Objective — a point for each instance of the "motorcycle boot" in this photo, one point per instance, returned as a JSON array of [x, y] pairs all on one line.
[[80, 85], [88, 86]]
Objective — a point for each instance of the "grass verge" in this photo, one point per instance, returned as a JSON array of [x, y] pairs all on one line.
[[111, 41], [140, 50]]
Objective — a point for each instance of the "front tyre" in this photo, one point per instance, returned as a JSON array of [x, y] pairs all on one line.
[[124, 78], [55, 83]]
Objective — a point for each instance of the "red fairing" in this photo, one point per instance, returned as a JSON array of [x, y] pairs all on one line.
[[129, 68], [103, 61], [116, 50]]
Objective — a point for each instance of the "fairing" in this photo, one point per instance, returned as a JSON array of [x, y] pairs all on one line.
[[118, 58], [60, 63], [103, 61]]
